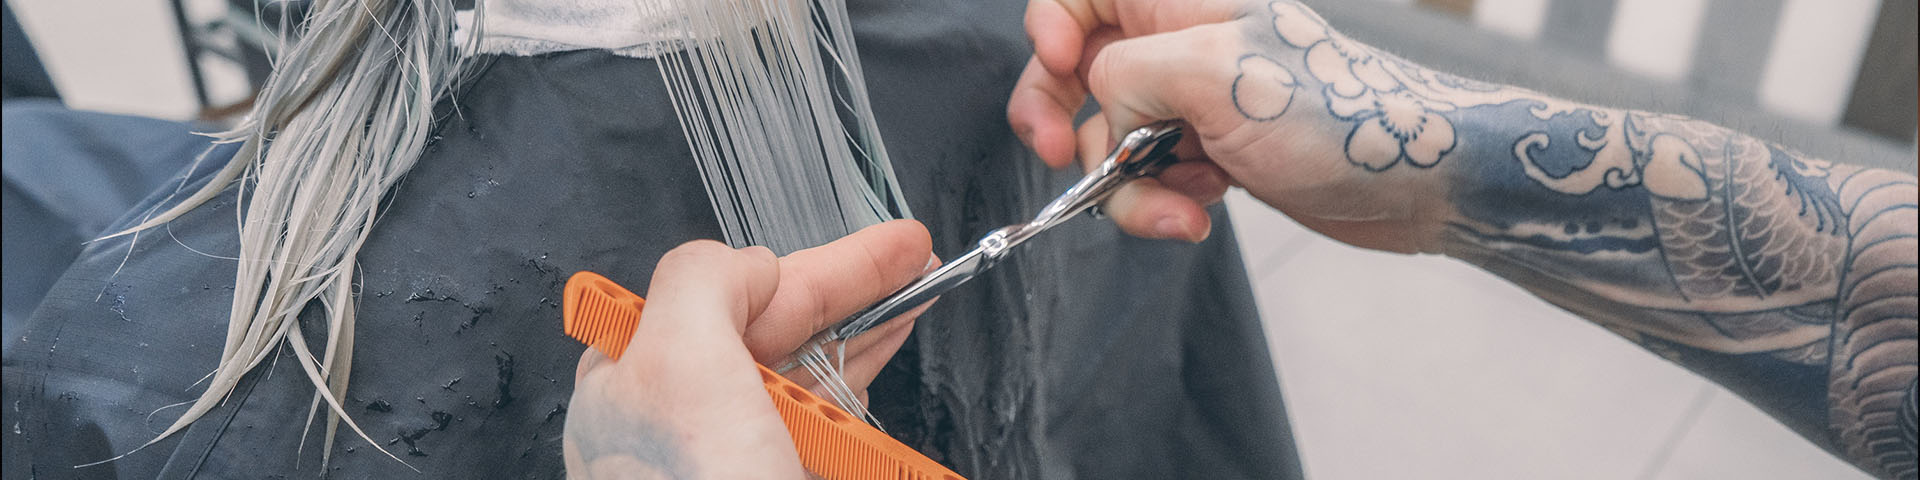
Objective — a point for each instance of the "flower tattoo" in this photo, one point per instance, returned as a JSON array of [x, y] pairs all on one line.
[[1263, 89], [1391, 123]]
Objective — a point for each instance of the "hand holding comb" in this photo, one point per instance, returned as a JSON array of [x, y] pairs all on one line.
[[832, 443]]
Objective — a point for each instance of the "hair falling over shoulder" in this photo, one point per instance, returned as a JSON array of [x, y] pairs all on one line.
[[346, 112]]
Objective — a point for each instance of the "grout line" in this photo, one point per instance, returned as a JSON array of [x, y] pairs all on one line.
[[1680, 430]]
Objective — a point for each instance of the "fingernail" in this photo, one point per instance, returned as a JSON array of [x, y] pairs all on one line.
[[1169, 227]]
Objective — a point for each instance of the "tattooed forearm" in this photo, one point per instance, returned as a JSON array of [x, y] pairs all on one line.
[[1874, 324], [1789, 279]]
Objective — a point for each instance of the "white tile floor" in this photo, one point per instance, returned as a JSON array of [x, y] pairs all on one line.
[[1394, 366], [1400, 366]]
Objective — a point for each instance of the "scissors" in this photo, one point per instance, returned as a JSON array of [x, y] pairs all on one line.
[[1142, 153]]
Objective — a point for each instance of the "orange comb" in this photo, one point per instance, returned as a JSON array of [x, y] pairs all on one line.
[[832, 444]]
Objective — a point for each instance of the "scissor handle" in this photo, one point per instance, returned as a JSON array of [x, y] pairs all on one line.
[[1144, 151]]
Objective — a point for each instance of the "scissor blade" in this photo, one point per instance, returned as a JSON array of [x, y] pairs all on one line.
[[952, 274]]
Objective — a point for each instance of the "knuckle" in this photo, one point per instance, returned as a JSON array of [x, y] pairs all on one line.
[[695, 254], [758, 255], [1223, 39], [1216, 38], [1102, 73]]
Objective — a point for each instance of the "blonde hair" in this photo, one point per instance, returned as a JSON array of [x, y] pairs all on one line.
[[768, 92], [346, 112]]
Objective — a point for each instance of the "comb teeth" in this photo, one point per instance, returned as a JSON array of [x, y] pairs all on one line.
[[600, 313], [831, 443]]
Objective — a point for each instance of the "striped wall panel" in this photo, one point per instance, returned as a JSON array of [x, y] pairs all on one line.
[[1799, 59]]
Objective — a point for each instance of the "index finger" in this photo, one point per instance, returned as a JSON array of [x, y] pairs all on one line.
[[824, 284], [1059, 28]]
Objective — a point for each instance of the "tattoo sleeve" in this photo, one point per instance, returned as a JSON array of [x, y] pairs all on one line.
[[1791, 280]]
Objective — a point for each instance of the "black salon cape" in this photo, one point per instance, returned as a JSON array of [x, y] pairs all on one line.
[[1088, 354]]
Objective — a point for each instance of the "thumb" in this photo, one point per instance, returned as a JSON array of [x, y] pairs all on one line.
[[705, 288], [1184, 74]]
